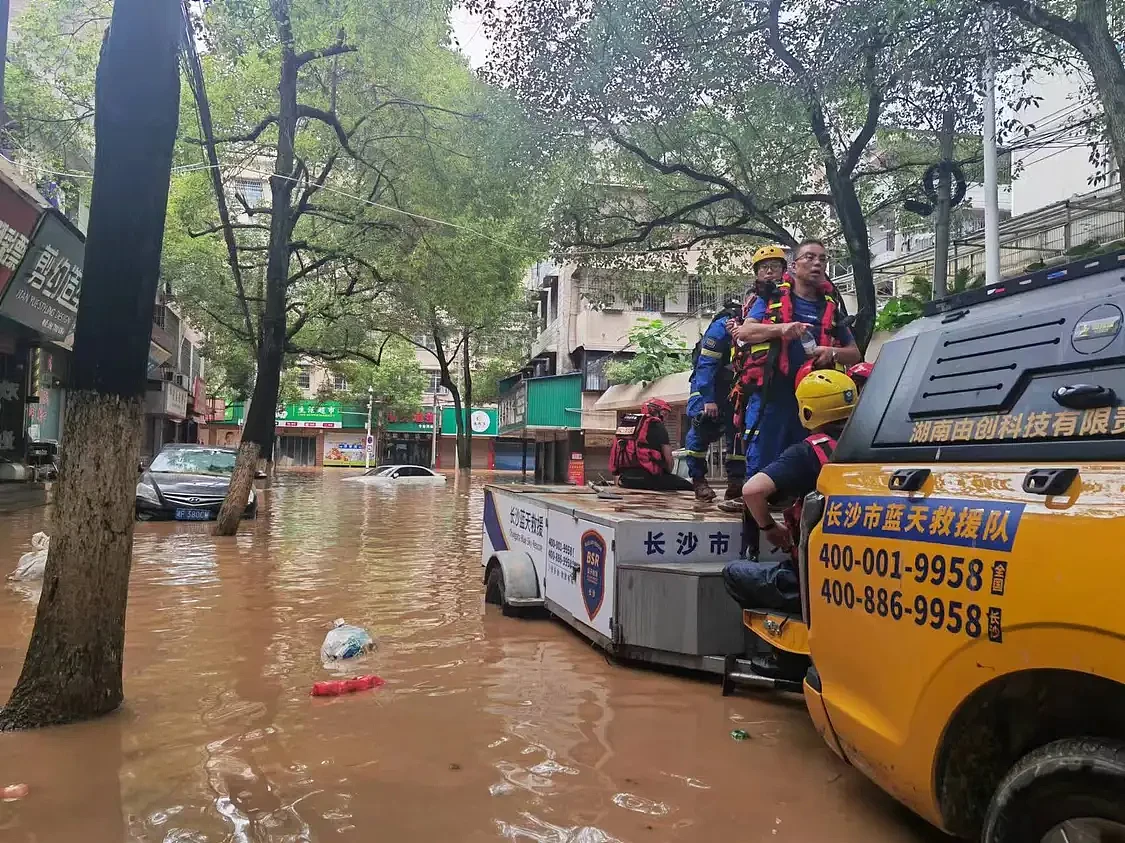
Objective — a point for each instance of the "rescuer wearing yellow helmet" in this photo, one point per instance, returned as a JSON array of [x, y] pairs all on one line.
[[800, 320], [769, 264], [825, 400]]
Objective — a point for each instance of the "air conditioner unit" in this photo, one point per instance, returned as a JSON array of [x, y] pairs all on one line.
[[181, 381]]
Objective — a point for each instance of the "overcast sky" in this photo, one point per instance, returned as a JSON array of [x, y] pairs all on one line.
[[470, 34]]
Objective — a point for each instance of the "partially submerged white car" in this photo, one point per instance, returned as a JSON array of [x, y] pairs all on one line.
[[402, 475]]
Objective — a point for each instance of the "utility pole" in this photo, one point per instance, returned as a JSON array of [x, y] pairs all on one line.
[[434, 435], [367, 442], [991, 199], [944, 206]]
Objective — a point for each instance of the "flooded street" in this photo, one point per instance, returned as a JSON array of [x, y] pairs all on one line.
[[488, 729]]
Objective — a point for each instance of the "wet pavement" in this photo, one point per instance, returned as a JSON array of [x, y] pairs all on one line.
[[489, 728]]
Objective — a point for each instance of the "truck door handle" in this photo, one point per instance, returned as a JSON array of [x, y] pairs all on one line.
[[1084, 396], [908, 479], [1049, 481]]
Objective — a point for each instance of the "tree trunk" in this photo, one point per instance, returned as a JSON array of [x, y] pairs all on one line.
[[853, 225], [73, 666], [944, 207], [465, 443], [1109, 80], [458, 408], [257, 437]]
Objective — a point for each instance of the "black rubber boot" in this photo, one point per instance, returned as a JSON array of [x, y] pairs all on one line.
[[703, 491]]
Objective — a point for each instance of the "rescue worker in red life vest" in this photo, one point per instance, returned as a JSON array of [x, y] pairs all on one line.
[[825, 400], [641, 457], [773, 338]]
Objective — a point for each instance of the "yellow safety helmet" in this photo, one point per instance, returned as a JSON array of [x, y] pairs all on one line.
[[769, 253], [824, 396]]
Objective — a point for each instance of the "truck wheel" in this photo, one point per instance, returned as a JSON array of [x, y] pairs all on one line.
[[494, 591], [1069, 791]]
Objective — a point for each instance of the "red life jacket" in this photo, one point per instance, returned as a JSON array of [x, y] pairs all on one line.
[[754, 364], [631, 448], [823, 446]]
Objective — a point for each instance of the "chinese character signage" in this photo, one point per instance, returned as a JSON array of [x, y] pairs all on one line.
[[44, 293], [990, 525], [1063, 424], [17, 222], [421, 422], [311, 414]]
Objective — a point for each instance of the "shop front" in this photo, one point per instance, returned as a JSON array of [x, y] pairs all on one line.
[[39, 282], [484, 425], [301, 433], [408, 441]]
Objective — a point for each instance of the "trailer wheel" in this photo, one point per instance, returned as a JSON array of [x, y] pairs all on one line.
[[1069, 790], [495, 591]]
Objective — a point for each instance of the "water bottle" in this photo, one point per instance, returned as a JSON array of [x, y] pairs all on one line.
[[808, 343]]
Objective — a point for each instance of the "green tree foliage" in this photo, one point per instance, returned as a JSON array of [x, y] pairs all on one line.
[[395, 385], [1092, 31], [659, 350], [902, 310], [717, 126]]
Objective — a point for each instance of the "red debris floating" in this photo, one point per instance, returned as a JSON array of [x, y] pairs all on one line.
[[336, 687]]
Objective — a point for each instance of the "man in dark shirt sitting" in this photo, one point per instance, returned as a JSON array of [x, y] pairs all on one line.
[[825, 399]]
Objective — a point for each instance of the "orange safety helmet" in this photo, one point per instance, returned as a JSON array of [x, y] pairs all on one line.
[[656, 407]]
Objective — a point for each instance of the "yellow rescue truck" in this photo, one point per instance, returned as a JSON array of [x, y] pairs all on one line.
[[964, 564]]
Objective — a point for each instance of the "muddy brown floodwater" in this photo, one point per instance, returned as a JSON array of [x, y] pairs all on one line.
[[488, 729]]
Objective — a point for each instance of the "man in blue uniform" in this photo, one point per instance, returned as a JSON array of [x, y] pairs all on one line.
[[710, 409]]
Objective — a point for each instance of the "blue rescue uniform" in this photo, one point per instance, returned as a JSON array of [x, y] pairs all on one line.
[[711, 381], [774, 425]]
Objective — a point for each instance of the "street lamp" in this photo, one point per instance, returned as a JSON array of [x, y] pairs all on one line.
[[367, 443]]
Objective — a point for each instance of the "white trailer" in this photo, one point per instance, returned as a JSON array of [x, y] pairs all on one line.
[[640, 574]]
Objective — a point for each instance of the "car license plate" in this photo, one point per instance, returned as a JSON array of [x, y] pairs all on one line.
[[193, 515]]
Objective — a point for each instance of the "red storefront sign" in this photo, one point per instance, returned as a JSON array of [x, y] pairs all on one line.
[[17, 222]]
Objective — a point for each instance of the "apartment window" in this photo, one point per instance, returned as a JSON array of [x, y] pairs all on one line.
[[158, 316], [652, 302], [185, 357], [253, 191], [435, 382], [889, 243], [701, 300], [553, 298], [339, 383], [304, 378]]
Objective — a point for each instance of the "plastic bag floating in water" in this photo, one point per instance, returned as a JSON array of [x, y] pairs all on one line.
[[345, 642], [32, 564]]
